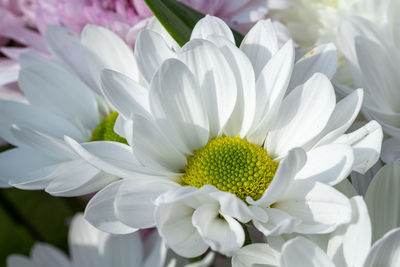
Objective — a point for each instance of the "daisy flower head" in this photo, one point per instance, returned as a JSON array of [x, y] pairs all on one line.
[[225, 137], [349, 245]]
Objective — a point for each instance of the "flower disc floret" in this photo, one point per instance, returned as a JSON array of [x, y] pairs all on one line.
[[233, 165], [105, 130]]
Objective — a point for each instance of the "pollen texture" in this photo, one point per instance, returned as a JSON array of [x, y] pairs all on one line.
[[105, 130], [232, 165]]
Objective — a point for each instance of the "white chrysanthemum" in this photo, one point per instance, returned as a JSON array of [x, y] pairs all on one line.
[[63, 98], [373, 52], [90, 247], [227, 136], [349, 245], [313, 22]]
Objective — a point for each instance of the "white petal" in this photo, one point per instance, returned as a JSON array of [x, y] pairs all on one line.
[[111, 157], [346, 111], [366, 142], [100, 211], [105, 50], [52, 147], [322, 59], [216, 79], [78, 178], [175, 102], [150, 51], [126, 250], [127, 96], [243, 114], [270, 89], [383, 200], [361, 182], [210, 25], [65, 46], [134, 201], [153, 149], [19, 164], [301, 252], [15, 260], [60, 92], [260, 44], [223, 235], [256, 254], [46, 122], [320, 207], [45, 255], [391, 150], [350, 243], [386, 251], [304, 113], [278, 223], [284, 175], [328, 164], [174, 223]]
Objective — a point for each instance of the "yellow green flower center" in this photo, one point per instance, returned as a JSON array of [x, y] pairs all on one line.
[[105, 130], [233, 165]]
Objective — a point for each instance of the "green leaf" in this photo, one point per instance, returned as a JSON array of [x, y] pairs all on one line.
[[179, 19]]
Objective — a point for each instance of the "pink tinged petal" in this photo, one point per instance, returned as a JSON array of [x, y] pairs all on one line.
[[105, 50], [260, 44], [150, 51], [124, 94], [78, 178], [386, 251], [216, 79], [278, 223], [9, 70], [25, 36], [256, 254], [391, 150], [304, 113], [320, 207], [134, 201], [322, 59], [209, 26], [65, 45], [175, 102], [287, 170], [270, 89], [366, 142], [72, 99], [350, 243], [174, 223], [153, 149], [383, 200], [45, 255], [301, 252], [343, 116], [243, 114], [328, 164], [21, 114], [100, 211], [223, 235]]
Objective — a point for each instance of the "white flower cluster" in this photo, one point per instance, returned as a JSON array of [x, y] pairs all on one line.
[[250, 155]]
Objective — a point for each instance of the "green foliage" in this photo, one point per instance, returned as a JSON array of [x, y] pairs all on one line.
[[179, 19]]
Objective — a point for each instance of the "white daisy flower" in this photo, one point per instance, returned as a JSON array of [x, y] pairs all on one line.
[[372, 52], [90, 247], [63, 97], [225, 137], [349, 245]]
